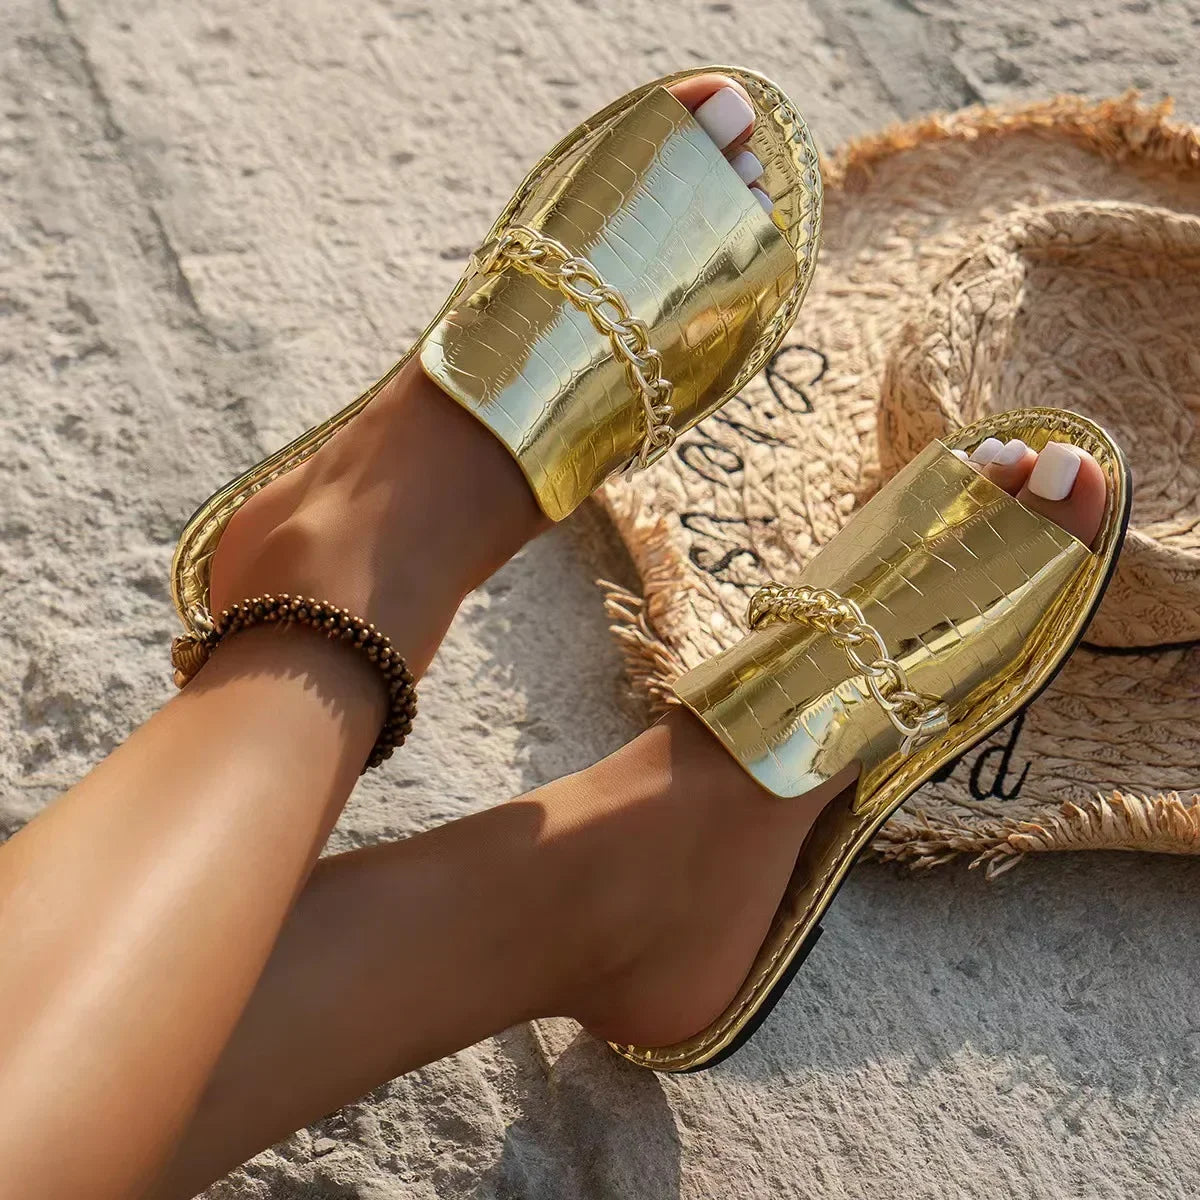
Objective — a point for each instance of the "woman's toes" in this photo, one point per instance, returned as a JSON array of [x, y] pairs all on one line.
[[1054, 474], [762, 198], [985, 452], [721, 107], [1067, 486], [726, 116], [1063, 483], [746, 165], [1006, 464], [1011, 467], [723, 110]]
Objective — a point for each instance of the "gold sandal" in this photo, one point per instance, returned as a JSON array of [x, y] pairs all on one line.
[[631, 286], [938, 613]]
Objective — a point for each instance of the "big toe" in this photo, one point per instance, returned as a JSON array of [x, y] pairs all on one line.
[[1067, 486], [1063, 483], [723, 110]]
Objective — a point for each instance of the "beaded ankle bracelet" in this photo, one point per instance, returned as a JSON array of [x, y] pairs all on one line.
[[190, 652]]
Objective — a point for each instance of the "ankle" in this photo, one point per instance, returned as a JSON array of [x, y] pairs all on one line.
[[685, 863], [647, 824], [471, 505], [397, 518], [445, 502]]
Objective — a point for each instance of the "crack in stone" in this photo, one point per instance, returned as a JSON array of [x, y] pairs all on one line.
[[115, 133]]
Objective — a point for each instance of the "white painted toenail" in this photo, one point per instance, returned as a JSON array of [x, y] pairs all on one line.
[[746, 165], [1053, 474], [960, 454], [724, 115], [1011, 453], [986, 451], [762, 198]]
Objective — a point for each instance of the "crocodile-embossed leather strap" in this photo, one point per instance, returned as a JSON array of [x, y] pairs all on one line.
[[649, 201], [953, 574], [553, 265], [915, 718]]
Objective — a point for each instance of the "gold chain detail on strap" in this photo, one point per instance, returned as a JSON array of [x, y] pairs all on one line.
[[552, 264], [916, 717]]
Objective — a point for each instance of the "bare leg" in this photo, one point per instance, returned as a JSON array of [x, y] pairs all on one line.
[[631, 896], [563, 902], [137, 911]]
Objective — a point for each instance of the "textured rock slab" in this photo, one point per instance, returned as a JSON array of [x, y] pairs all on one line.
[[218, 221]]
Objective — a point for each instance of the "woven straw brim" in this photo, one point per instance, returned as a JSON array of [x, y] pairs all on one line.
[[986, 260]]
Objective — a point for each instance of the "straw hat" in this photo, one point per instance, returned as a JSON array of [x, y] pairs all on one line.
[[992, 259]]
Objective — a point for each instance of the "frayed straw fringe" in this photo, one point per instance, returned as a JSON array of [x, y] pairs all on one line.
[[651, 664], [1166, 824], [1119, 128]]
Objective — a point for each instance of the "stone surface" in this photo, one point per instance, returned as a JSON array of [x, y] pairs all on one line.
[[218, 221]]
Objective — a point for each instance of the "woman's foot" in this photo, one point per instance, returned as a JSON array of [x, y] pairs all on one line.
[[1063, 483], [414, 503], [697, 856]]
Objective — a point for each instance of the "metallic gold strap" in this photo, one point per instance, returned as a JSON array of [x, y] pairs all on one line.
[[552, 264], [916, 717]]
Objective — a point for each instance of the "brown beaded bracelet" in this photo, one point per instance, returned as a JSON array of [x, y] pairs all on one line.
[[335, 623]]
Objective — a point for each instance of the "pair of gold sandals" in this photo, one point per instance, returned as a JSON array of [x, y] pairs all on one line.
[[631, 286]]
